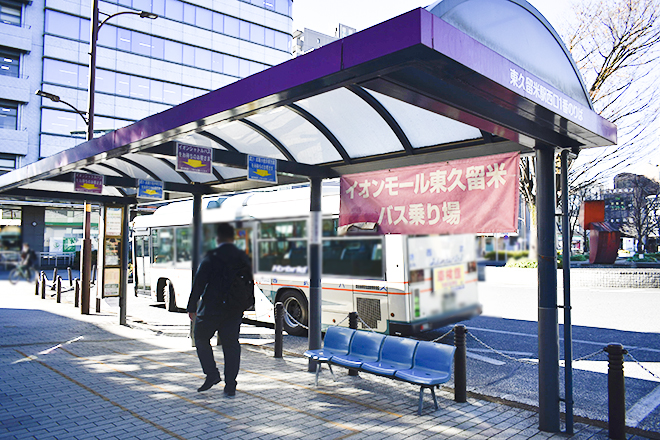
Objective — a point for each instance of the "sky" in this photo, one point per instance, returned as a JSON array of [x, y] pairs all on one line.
[[324, 16]]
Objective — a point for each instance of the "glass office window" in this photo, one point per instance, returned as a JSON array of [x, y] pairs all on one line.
[[244, 30], [84, 29], [63, 25], [59, 72], [60, 122], [218, 22], [230, 65], [158, 7], [269, 4], [105, 81], [156, 90], [157, 48], [188, 55], [124, 38], [7, 162], [203, 58], [10, 13], [122, 84], [282, 6], [142, 5], [174, 10], [139, 87], [204, 18], [141, 44], [269, 37], [9, 62], [189, 13], [231, 26], [216, 62], [187, 93], [8, 115], [173, 51], [171, 93], [125, 3], [257, 34], [282, 41], [83, 77], [107, 36]]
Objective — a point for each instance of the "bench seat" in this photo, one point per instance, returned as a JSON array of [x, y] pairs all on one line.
[[422, 363]]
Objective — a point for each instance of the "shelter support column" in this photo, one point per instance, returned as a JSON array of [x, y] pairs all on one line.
[[566, 266], [315, 262], [86, 260], [123, 276], [547, 289], [196, 233]]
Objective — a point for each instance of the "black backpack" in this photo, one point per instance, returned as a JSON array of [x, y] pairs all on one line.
[[240, 295]]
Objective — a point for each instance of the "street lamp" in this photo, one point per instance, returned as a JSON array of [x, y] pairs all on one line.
[[56, 98], [96, 26]]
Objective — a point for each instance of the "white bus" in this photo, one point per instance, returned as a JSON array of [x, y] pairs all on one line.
[[398, 284]]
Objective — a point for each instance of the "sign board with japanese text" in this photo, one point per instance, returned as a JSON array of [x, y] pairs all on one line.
[[150, 189], [263, 169], [114, 238], [87, 183], [191, 158], [476, 195]]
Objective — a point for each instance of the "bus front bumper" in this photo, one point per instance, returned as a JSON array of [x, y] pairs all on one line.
[[411, 328]]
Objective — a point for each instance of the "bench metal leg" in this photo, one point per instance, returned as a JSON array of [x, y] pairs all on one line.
[[334, 379], [318, 370], [435, 401], [421, 399]]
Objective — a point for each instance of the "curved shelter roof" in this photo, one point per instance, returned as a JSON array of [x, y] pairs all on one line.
[[427, 86]]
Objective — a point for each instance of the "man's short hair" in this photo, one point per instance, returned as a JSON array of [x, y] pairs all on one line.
[[225, 232]]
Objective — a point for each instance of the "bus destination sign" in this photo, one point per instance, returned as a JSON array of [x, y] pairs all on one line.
[[191, 158], [263, 169]]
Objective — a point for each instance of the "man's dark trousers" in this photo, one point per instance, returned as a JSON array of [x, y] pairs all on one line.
[[228, 326]]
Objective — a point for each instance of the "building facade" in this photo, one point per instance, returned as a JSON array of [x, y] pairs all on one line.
[[143, 66]]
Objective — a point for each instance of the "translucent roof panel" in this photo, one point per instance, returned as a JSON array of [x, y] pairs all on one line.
[[516, 30], [299, 136], [424, 128], [199, 140], [157, 167], [126, 168], [98, 169], [230, 173], [245, 139], [357, 126]]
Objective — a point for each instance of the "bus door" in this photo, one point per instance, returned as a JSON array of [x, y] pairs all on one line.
[[142, 264]]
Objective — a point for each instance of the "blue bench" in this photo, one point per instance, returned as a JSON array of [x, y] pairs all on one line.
[[422, 363]]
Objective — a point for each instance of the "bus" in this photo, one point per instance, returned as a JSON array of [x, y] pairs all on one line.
[[398, 284]]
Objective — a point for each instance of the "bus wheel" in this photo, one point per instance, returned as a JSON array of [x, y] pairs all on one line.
[[295, 304], [170, 299]]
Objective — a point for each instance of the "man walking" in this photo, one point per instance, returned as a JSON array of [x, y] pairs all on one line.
[[211, 308]]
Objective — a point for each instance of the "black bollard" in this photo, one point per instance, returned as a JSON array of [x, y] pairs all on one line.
[[76, 299], [460, 364], [352, 323], [43, 285], [68, 270], [54, 286], [36, 286], [616, 392], [279, 325], [59, 289]]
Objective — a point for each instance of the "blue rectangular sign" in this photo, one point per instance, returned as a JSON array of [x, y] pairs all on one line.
[[263, 169], [150, 189]]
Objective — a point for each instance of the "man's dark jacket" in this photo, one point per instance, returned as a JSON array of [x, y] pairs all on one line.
[[215, 274]]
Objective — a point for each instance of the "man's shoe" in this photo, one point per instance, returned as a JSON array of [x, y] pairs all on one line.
[[229, 392], [208, 383]]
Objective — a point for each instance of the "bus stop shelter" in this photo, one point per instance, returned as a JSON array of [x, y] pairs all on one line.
[[458, 79]]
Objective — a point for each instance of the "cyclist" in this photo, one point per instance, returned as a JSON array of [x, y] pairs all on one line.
[[27, 261]]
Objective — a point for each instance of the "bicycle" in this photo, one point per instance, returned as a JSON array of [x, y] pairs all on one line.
[[21, 272]]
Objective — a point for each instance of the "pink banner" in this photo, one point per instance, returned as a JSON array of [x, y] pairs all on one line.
[[478, 195]]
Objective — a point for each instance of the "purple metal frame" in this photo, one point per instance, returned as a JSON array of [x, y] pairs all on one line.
[[415, 57]]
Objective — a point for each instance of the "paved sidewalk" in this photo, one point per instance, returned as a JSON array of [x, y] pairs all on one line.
[[68, 376]]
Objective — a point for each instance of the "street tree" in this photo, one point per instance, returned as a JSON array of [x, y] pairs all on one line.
[[643, 207], [615, 46]]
